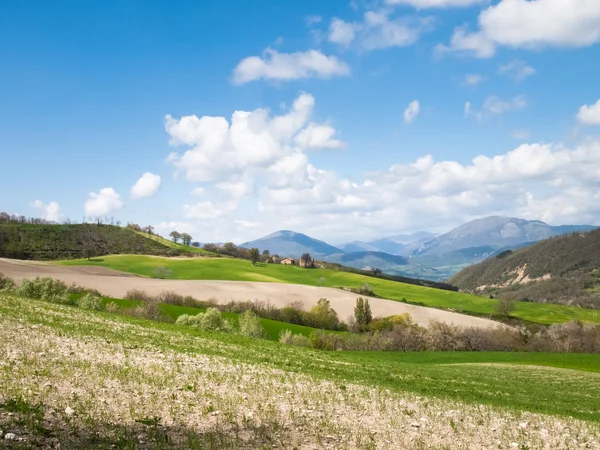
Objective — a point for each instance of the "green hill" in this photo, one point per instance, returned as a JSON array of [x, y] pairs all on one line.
[[563, 269], [242, 270], [52, 242]]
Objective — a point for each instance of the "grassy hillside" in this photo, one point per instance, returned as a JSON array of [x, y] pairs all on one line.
[[567, 269], [98, 380], [52, 242], [241, 270], [173, 245]]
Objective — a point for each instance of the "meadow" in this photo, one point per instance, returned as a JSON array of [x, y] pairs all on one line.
[[242, 270], [122, 379]]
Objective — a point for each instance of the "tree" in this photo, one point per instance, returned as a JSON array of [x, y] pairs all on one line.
[[266, 253], [175, 235], [362, 312], [376, 271], [323, 316], [186, 238], [504, 307], [90, 245], [149, 229], [254, 255], [306, 260]]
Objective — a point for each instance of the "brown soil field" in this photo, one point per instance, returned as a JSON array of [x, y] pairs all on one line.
[[115, 284]]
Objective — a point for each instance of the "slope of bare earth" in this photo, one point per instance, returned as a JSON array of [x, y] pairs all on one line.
[[122, 387], [116, 284]]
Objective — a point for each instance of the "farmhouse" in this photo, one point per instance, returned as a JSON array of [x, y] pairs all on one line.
[[289, 261]]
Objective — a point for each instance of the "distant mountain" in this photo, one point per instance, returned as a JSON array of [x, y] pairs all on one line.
[[292, 244], [400, 244], [367, 260], [563, 269], [496, 232]]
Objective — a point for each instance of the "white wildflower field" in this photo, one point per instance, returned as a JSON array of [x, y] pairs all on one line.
[[71, 378]]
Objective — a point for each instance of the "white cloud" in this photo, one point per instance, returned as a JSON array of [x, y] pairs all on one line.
[[412, 111], [423, 4], [246, 223], [378, 31], [517, 69], [50, 211], [495, 106], [253, 140], [103, 203], [316, 136], [531, 24], [207, 210], [473, 79], [147, 186], [197, 192], [164, 228], [341, 32], [273, 65], [589, 114], [521, 134], [312, 19]]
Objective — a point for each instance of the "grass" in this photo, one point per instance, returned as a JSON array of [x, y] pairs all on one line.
[[559, 384], [241, 270], [169, 243]]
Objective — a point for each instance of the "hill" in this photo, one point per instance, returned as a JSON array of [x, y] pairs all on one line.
[[292, 244], [400, 244], [365, 259], [52, 242], [563, 269], [241, 270], [83, 379]]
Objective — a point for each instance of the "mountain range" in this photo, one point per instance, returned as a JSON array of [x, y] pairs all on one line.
[[421, 254]]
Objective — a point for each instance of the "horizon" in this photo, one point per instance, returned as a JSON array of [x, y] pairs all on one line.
[[347, 121]]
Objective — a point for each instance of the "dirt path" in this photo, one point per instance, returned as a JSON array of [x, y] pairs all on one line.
[[115, 284]]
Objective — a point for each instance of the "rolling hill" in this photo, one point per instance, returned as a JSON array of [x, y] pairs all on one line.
[[563, 269], [51, 242]]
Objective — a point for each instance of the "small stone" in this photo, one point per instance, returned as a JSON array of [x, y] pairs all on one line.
[[69, 411], [523, 425], [10, 436], [415, 424]]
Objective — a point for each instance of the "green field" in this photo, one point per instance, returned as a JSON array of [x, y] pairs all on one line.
[[242, 270], [272, 327], [558, 384]]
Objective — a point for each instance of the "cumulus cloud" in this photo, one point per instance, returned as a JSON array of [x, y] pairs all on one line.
[[207, 210], [252, 140], [589, 114], [412, 111], [423, 4], [529, 25], [165, 228], [273, 65], [102, 203], [50, 211], [518, 69], [495, 106], [147, 186], [377, 31]]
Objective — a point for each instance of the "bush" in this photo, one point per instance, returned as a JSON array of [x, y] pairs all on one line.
[[112, 307], [45, 289], [323, 316], [89, 301], [504, 307], [285, 336], [137, 294], [212, 320], [7, 284], [250, 325], [299, 340], [162, 272]]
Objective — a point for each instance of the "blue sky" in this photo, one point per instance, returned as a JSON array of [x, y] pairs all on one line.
[[87, 89]]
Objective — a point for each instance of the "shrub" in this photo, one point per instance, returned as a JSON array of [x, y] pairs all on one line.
[[89, 301], [299, 340], [112, 307], [162, 272], [285, 336], [7, 284], [250, 325], [504, 307], [44, 289], [137, 294], [212, 320], [323, 316]]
